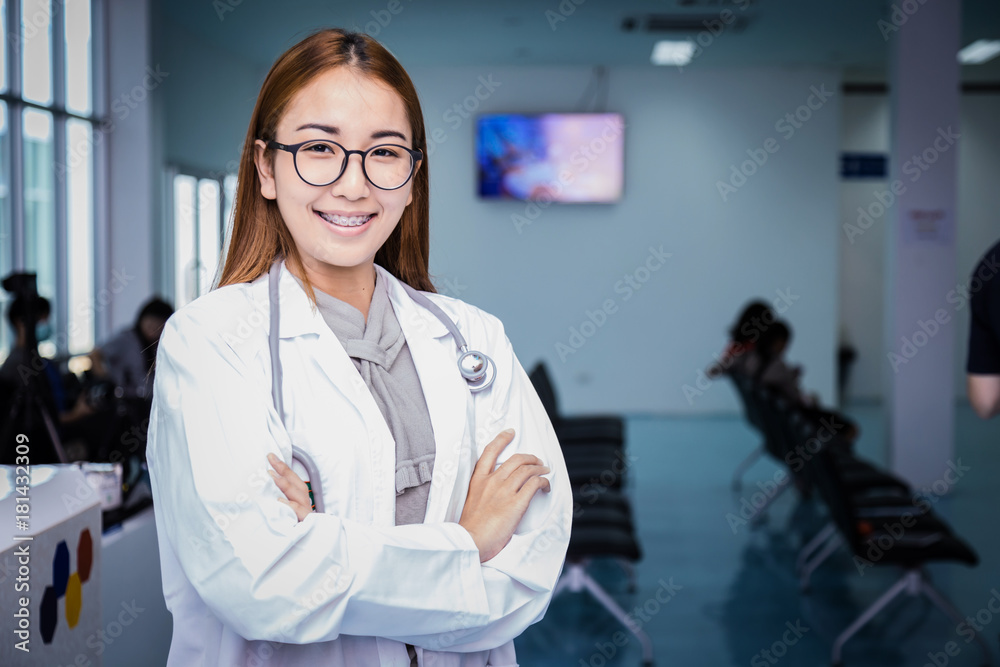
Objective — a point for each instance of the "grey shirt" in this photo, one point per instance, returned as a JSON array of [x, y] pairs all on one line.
[[382, 357]]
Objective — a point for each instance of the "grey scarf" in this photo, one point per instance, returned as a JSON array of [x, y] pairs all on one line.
[[380, 353]]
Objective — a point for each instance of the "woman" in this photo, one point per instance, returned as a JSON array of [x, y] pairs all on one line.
[[426, 552]]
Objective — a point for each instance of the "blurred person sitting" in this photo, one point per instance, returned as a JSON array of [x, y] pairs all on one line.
[[128, 358], [21, 364], [742, 354], [76, 422], [784, 378]]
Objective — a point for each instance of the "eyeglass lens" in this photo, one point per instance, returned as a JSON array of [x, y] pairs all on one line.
[[321, 162]]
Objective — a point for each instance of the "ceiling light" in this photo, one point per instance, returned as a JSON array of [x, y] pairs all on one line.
[[979, 51], [666, 52]]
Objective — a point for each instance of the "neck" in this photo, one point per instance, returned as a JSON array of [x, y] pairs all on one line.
[[353, 285]]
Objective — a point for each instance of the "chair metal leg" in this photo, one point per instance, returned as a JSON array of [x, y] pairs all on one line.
[[745, 465], [761, 512], [806, 575], [623, 618], [909, 580], [829, 530], [945, 605], [575, 579]]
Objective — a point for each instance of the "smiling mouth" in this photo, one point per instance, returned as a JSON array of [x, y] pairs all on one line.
[[345, 221]]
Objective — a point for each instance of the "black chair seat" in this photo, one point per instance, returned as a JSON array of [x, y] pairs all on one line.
[[914, 548], [608, 541], [587, 429]]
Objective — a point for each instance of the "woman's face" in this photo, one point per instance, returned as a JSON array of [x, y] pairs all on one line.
[[357, 112]]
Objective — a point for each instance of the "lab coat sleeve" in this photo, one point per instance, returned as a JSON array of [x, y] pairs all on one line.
[[260, 571], [518, 582]]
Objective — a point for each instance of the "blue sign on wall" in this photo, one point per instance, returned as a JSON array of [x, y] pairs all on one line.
[[862, 165]]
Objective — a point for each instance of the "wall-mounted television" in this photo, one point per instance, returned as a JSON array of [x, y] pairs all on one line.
[[559, 157]]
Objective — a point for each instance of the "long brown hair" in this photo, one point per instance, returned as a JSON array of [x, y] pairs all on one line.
[[259, 234]]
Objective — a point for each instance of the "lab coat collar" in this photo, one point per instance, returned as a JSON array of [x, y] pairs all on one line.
[[300, 316], [416, 317]]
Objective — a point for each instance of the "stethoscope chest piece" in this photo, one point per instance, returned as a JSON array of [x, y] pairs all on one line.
[[477, 369]]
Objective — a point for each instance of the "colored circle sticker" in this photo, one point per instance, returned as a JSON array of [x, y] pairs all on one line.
[[60, 568], [74, 600]]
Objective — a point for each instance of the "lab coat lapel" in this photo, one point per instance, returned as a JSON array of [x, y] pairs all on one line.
[[435, 356], [299, 317]]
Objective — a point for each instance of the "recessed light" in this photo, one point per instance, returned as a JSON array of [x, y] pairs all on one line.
[[667, 52], [979, 51]]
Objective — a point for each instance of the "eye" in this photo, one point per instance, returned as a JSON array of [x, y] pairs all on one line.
[[319, 147], [384, 151]]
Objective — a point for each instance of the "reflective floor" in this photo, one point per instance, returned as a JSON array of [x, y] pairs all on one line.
[[736, 600]]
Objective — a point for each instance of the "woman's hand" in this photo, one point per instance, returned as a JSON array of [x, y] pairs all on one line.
[[499, 498], [295, 490]]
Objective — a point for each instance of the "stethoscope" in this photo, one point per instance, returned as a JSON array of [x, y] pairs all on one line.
[[476, 367]]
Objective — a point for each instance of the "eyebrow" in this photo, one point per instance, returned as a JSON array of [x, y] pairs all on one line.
[[330, 129]]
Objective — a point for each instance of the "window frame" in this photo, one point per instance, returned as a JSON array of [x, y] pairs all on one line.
[[97, 118]]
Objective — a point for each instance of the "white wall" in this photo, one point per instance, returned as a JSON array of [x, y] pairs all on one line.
[[866, 128]]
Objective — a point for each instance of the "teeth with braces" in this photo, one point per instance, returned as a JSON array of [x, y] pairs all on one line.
[[342, 221]]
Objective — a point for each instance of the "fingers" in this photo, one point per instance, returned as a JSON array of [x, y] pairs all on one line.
[[516, 461], [523, 474], [301, 511], [488, 460], [291, 485], [533, 485]]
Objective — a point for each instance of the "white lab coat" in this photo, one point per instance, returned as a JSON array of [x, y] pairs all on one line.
[[247, 583]]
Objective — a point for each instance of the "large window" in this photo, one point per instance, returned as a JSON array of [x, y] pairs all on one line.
[[47, 179], [201, 214]]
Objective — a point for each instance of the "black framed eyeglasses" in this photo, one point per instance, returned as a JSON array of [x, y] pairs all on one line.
[[321, 162]]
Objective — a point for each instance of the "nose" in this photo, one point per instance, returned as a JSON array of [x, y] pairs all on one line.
[[352, 184]]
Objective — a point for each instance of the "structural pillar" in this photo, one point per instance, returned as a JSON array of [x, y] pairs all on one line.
[[920, 243]]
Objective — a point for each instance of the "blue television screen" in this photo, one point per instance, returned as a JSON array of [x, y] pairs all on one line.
[[561, 157]]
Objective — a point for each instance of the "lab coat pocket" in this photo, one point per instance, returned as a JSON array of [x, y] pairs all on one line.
[[334, 464]]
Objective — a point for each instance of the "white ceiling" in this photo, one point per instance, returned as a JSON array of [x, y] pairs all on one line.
[[839, 33]]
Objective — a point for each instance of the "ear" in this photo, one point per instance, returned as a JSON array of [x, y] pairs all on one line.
[[409, 199], [264, 170]]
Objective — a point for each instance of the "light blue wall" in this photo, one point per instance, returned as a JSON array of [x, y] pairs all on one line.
[[206, 101], [684, 130], [683, 133]]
